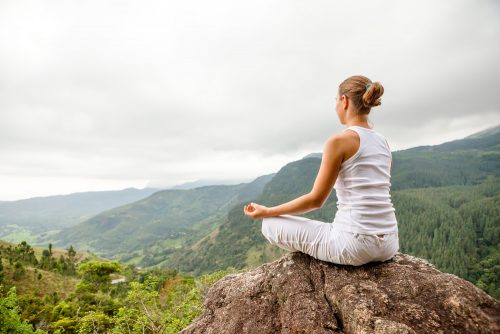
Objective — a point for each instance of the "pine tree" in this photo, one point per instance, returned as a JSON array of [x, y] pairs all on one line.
[[19, 270]]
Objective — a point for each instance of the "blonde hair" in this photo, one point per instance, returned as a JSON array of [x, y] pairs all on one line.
[[363, 93]]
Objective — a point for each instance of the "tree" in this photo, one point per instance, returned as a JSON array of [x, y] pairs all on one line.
[[94, 322], [19, 270], [156, 307], [71, 260], [10, 321], [143, 310], [95, 275], [25, 253], [71, 252]]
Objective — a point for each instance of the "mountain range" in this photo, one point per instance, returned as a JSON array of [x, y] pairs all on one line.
[[29, 218]]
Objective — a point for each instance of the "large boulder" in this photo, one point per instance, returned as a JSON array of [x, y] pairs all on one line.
[[300, 294]]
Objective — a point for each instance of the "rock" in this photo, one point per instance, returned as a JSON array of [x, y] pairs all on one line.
[[300, 294]]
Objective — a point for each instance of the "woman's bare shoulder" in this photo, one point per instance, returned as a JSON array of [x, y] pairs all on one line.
[[345, 143], [343, 137]]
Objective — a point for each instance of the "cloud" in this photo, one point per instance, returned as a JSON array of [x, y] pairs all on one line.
[[175, 91]]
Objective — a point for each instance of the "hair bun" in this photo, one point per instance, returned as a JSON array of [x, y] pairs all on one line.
[[371, 98]]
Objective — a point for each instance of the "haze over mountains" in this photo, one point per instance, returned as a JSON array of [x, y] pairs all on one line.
[[446, 198], [25, 219]]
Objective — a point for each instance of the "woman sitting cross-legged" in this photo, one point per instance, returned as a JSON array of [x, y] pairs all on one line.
[[357, 163]]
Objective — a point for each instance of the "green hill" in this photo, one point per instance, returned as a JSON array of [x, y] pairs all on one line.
[[50, 281], [36, 217], [467, 161], [146, 231]]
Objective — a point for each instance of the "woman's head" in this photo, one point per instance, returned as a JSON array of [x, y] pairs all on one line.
[[362, 93]]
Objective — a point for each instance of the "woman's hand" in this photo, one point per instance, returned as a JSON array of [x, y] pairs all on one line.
[[254, 210]]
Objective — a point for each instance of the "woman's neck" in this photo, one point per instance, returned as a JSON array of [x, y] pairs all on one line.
[[361, 123], [354, 119]]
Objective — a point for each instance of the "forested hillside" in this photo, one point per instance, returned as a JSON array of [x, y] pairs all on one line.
[[456, 228], [466, 161], [64, 291]]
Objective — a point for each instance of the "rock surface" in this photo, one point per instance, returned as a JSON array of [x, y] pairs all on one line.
[[300, 294]]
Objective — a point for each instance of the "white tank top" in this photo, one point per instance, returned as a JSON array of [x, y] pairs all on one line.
[[364, 203]]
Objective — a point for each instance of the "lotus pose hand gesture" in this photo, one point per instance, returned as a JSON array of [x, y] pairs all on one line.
[[254, 210]]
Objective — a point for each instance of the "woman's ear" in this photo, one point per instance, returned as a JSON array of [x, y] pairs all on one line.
[[345, 102]]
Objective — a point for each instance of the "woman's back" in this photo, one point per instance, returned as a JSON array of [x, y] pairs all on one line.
[[363, 187], [357, 163]]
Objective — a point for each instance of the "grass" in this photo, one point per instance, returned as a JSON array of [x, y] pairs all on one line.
[[57, 252], [30, 284], [19, 234], [50, 282]]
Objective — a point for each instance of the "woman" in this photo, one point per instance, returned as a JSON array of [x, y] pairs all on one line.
[[357, 163]]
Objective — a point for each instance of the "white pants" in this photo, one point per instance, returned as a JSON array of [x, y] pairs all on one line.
[[325, 242]]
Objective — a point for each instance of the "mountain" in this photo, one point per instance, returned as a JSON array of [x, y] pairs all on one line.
[[485, 133], [23, 219], [208, 182], [134, 232], [467, 161]]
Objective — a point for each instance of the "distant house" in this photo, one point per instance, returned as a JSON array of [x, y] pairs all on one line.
[[118, 280]]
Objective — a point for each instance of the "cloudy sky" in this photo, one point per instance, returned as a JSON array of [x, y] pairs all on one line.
[[101, 94]]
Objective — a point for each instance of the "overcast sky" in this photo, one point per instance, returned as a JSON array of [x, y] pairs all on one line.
[[100, 95]]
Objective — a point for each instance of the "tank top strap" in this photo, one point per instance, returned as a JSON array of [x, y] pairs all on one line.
[[362, 135], [358, 129]]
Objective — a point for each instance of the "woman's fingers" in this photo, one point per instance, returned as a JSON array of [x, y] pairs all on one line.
[[250, 210], [254, 210]]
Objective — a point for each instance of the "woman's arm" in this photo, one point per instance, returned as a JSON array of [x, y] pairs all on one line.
[[333, 155]]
